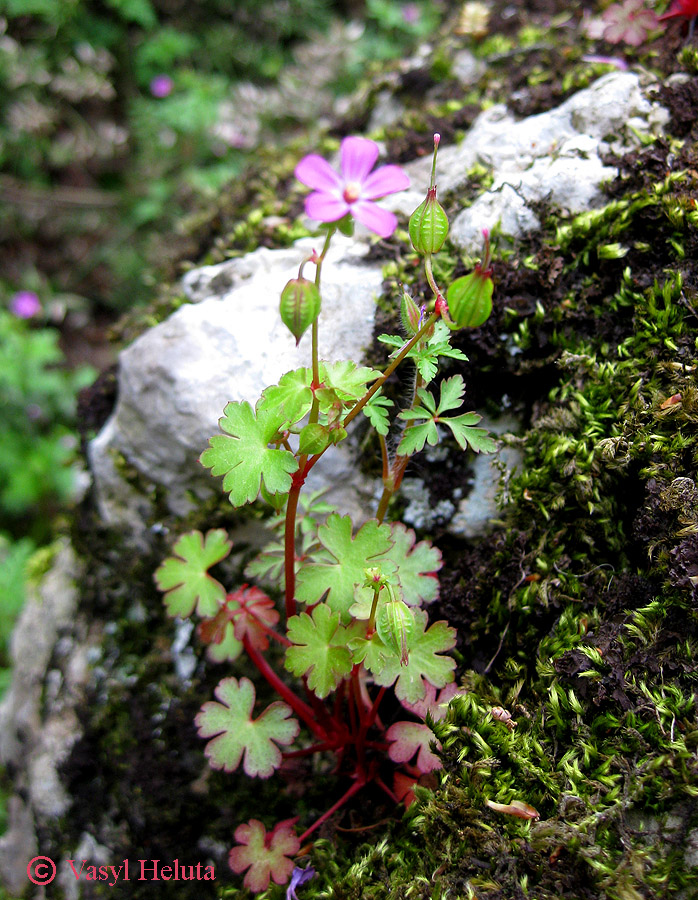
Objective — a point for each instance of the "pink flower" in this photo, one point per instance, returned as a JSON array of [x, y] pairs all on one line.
[[410, 13], [628, 21], [161, 86], [25, 305], [354, 190]]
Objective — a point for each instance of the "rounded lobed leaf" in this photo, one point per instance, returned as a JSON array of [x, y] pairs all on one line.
[[236, 734]]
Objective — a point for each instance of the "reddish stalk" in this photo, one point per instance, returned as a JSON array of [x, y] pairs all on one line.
[[354, 789], [302, 710], [290, 545]]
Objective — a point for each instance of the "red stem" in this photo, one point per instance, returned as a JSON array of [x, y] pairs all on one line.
[[308, 751], [290, 547], [270, 631], [302, 710], [354, 789]]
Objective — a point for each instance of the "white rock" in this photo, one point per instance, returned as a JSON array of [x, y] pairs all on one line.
[[553, 156], [175, 379]]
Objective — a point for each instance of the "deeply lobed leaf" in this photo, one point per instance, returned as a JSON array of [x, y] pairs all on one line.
[[340, 568], [425, 663], [243, 456], [319, 650]]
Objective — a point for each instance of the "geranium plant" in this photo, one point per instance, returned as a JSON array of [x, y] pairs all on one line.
[[353, 624]]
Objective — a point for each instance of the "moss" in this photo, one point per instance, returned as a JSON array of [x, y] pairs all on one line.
[[577, 614]]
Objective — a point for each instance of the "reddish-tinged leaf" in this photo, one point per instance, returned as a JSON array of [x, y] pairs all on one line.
[[408, 738], [686, 8], [252, 610], [671, 401], [403, 787], [265, 856], [516, 808]]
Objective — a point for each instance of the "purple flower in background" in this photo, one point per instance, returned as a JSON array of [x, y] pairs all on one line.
[[410, 13], [161, 86], [354, 189], [298, 876], [25, 305]]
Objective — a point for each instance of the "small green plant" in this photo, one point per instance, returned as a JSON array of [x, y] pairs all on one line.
[[37, 409], [353, 624]]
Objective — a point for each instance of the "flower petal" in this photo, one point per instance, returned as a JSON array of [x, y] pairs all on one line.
[[318, 174], [382, 222], [325, 207], [358, 156], [386, 180]]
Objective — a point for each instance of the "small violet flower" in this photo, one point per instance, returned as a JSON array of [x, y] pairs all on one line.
[[298, 877], [354, 189], [629, 21], [25, 305], [161, 86], [410, 13]]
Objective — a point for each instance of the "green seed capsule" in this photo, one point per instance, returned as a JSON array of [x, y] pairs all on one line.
[[395, 626], [470, 299], [428, 225], [300, 306]]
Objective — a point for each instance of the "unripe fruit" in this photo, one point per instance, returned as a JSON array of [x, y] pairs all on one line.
[[300, 306], [428, 225], [395, 626], [470, 299]]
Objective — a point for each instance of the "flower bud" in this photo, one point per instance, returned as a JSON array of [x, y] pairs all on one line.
[[300, 306], [470, 297], [410, 314], [395, 626], [428, 224]]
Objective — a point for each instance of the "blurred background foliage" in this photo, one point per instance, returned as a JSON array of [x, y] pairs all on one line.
[[118, 120]]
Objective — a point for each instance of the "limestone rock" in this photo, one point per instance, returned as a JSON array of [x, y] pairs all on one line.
[[553, 156], [229, 344], [38, 721]]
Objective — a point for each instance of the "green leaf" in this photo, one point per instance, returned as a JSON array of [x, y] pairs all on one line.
[[235, 733], [242, 454], [425, 354], [139, 11], [337, 571], [347, 379], [424, 664], [451, 394], [416, 436], [376, 411], [416, 565], [292, 396], [229, 649], [184, 577], [372, 652], [319, 649], [314, 438], [478, 439]]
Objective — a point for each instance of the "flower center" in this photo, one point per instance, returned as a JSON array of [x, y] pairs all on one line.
[[352, 192]]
